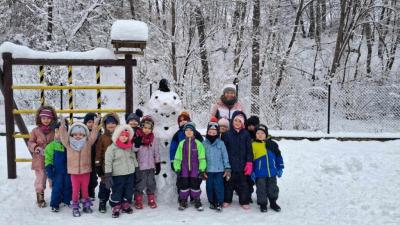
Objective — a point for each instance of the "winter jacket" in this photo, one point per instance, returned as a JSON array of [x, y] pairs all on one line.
[[220, 110], [56, 156], [238, 146], [120, 161], [216, 156], [267, 158], [104, 141], [79, 162], [38, 139], [190, 158], [148, 156], [178, 137]]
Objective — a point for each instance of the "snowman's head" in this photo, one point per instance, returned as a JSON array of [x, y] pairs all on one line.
[[164, 106]]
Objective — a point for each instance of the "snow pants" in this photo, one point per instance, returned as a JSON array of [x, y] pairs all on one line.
[[238, 183], [267, 188]]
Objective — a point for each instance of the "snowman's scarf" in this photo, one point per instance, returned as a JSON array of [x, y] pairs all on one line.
[[147, 139]]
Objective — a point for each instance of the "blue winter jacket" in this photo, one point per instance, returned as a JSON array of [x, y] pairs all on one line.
[[216, 156], [178, 137], [267, 158], [238, 146], [56, 158]]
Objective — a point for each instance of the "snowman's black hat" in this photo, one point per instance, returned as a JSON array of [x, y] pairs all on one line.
[[164, 85]]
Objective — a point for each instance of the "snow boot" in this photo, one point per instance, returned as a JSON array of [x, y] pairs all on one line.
[[274, 206], [116, 211], [75, 209], [263, 208], [86, 206], [182, 204], [218, 207], [55, 209], [138, 201], [103, 206], [198, 205], [126, 208], [151, 200], [40, 200], [213, 206]]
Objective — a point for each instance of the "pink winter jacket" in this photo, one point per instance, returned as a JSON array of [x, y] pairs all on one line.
[[38, 140], [220, 110], [148, 156]]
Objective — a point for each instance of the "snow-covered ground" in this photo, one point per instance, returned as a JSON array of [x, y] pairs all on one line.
[[324, 182]]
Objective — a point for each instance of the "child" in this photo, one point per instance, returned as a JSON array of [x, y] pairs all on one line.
[[190, 164], [133, 119], [39, 138], [78, 142], [148, 155], [268, 165], [88, 120], [56, 169], [109, 122], [251, 125], [223, 126], [120, 163], [218, 166], [238, 144]]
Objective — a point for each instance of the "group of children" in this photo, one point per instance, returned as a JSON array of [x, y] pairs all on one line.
[[126, 158]]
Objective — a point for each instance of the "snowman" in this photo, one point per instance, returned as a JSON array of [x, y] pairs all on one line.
[[164, 107]]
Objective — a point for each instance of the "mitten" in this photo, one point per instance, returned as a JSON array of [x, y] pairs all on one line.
[[138, 142], [158, 168], [248, 168], [39, 151], [227, 174], [279, 172], [108, 180], [99, 170]]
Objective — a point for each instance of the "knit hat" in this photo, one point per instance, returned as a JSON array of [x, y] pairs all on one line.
[[88, 117], [263, 128], [147, 120], [164, 85], [78, 127], [223, 122], [253, 120], [58, 124], [213, 125], [184, 116], [190, 125], [134, 116], [111, 119], [241, 118], [46, 113], [229, 87]]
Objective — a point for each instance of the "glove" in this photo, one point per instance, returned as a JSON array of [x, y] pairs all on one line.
[[138, 142], [108, 180], [227, 174], [50, 171], [279, 172], [158, 168], [248, 168], [172, 166], [99, 171], [203, 175], [39, 151]]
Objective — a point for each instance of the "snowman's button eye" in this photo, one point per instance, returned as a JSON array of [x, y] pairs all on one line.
[[156, 97], [174, 97], [173, 113], [156, 111]]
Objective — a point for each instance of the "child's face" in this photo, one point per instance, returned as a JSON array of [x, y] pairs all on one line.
[[89, 124], [251, 127], [111, 127], [260, 135], [123, 138], [146, 129], [212, 132], [45, 120], [78, 136], [189, 133], [182, 122], [223, 129], [133, 123], [56, 134], [237, 123]]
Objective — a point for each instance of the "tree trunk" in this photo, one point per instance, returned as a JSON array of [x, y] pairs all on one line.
[[49, 23], [201, 29], [132, 9], [173, 47], [158, 12], [311, 29], [323, 16], [255, 60], [368, 39], [239, 34]]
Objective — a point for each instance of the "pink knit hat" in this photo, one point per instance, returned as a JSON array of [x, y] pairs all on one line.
[[46, 113]]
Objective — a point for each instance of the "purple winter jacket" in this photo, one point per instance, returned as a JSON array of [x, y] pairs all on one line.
[[190, 158], [148, 156]]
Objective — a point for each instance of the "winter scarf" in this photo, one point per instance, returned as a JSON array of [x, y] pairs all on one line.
[[77, 145], [147, 139], [211, 138], [45, 129], [124, 145]]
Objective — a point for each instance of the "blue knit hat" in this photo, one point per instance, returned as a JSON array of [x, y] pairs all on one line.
[[190, 125]]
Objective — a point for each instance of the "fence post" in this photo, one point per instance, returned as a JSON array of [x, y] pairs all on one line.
[[8, 106], [128, 84], [61, 98], [329, 108], [41, 81], [98, 90]]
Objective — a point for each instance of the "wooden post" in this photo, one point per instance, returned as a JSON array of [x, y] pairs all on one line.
[[8, 105], [128, 83]]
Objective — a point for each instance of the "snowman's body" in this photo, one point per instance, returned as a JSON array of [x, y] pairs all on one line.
[[164, 108]]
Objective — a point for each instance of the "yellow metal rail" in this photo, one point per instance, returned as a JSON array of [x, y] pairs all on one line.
[[21, 135], [31, 111], [23, 160], [78, 87]]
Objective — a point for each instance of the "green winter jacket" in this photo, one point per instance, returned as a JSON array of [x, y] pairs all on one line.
[[56, 156], [119, 162], [190, 162]]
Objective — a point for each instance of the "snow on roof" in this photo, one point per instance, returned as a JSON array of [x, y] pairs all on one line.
[[20, 51], [129, 30]]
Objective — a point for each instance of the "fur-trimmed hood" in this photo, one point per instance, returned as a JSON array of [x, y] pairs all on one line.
[[82, 125], [38, 122], [103, 120], [121, 128]]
